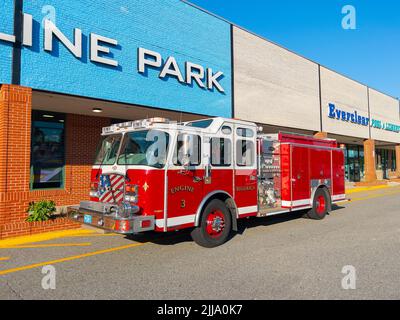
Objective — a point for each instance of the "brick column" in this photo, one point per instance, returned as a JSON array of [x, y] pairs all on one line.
[[398, 161], [369, 158], [321, 135], [15, 140]]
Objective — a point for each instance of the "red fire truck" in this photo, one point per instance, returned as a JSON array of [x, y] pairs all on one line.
[[158, 175]]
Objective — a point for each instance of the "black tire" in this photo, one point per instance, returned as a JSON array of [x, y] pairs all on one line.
[[320, 205], [216, 209]]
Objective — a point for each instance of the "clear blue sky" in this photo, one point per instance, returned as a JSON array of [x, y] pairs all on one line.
[[313, 28]]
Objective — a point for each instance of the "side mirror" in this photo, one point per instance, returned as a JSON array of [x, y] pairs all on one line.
[[186, 162], [186, 151]]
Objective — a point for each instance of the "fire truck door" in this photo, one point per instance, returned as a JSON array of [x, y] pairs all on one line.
[[218, 154], [246, 178], [185, 181]]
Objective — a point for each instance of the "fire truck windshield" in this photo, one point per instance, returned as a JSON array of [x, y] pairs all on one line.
[[145, 148], [108, 150]]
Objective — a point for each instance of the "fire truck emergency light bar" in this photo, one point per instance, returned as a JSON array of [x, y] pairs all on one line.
[[135, 125]]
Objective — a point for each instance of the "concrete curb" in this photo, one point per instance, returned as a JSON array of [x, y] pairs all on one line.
[[363, 189]]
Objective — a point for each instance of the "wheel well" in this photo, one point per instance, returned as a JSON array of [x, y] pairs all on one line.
[[230, 203]]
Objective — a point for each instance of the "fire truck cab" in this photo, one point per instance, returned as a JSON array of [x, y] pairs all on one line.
[[158, 175]]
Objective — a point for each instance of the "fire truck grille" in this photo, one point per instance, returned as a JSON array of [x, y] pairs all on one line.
[[112, 188]]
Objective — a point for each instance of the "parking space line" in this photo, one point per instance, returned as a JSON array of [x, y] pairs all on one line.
[[43, 237], [96, 235], [54, 245], [4, 258], [85, 255]]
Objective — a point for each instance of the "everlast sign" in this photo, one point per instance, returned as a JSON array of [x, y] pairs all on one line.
[[100, 52]]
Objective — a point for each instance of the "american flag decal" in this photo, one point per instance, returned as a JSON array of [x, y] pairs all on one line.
[[112, 188]]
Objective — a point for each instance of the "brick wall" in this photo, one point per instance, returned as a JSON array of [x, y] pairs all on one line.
[[6, 26], [82, 136], [15, 135]]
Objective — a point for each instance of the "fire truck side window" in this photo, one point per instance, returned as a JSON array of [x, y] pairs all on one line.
[[195, 151], [245, 133], [221, 150], [245, 153]]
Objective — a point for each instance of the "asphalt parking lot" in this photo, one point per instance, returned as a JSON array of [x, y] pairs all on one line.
[[285, 257]]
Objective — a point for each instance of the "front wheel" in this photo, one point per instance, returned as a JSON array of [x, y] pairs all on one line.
[[320, 205], [215, 225]]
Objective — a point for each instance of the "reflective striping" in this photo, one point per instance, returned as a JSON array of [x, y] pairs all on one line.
[[247, 210], [297, 203], [339, 197], [173, 222]]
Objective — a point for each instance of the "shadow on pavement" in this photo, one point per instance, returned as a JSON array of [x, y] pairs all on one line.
[[173, 238]]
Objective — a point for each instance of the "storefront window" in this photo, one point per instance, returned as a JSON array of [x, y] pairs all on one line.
[[47, 150]]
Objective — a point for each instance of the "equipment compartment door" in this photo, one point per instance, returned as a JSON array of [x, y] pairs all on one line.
[[300, 168], [338, 174]]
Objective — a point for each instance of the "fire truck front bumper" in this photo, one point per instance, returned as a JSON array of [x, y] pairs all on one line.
[[98, 215]]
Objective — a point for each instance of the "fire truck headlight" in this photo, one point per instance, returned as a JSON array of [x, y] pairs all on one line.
[[131, 199], [94, 194], [131, 193], [94, 190]]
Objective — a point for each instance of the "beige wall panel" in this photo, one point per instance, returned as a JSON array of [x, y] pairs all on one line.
[[274, 86], [348, 96], [386, 110]]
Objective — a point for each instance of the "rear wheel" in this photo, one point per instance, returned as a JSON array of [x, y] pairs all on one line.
[[320, 205], [215, 225]]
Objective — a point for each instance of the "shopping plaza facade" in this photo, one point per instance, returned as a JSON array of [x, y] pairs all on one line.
[[69, 68]]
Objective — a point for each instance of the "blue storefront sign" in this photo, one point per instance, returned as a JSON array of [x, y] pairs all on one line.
[[157, 53], [352, 117], [358, 119]]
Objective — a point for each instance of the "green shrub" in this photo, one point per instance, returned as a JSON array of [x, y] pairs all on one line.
[[41, 211]]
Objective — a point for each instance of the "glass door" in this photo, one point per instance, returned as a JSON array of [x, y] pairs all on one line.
[[353, 164], [382, 162]]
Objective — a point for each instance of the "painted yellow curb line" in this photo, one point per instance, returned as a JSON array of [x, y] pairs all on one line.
[[4, 258], [55, 245], [369, 197], [91, 254], [42, 237], [375, 196], [362, 189]]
